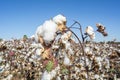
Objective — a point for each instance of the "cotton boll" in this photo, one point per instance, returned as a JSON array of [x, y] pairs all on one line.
[[38, 52], [9, 77], [55, 46], [92, 36], [58, 78], [87, 49], [39, 46], [99, 59], [49, 30], [39, 32], [66, 60], [71, 51], [59, 19], [0, 59], [2, 68], [49, 26], [89, 30], [107, 63], [31, 60], [67, 45], [7, 66], [53, 74], [64, 38], [49, 36], [46, 76], [97, 76]]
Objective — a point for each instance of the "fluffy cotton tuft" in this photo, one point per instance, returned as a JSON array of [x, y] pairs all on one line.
[[58, 78], [0, 59], [38, 33], [92, 36], [38, 52], [47, 31], [87, 49], [53, 74], [90, 32], [46, 76], [59, 19], [66, 60]]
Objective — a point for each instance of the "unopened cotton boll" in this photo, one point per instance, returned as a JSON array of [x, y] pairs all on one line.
[[59, 19]]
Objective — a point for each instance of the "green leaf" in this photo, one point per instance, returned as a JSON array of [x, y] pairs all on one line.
[[49, 66]]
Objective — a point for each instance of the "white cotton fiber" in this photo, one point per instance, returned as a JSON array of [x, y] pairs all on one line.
[[0, 59], [89, 30], [58, 78], [47, 31], [46, 76], [38, 33], [59, 19], [49, 26], [66, 60], [53, 74], [87, 49], [50, 37], [38, 52]]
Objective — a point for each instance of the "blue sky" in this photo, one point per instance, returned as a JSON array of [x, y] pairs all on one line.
[[19, 17]]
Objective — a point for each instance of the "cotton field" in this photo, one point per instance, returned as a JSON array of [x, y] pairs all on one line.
[[56, 53]]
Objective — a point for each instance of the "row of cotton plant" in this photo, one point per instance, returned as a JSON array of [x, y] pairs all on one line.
[[55, 54], [25, 62]]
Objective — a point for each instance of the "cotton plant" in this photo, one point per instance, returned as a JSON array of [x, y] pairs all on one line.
[[56, 55]]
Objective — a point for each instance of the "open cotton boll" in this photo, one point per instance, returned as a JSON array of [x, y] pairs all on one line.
[[92, 36], [107, 63], [58, 78], [87, 49], [67, 45], [53, 74], [49, 30], [96, 76], [38, 52], [0, 59], [71, 51], [49, 26], [50, 37], [39, 32], [59, 19], [46, 76], [66, 60], [89, 30], [9, 77]]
